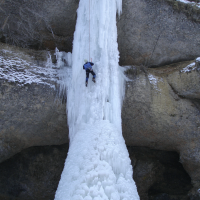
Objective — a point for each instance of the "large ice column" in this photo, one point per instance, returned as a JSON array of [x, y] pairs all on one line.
[[98, 165], [104, 97]]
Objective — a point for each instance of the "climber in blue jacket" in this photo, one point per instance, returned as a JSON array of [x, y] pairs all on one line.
[[88, 68]]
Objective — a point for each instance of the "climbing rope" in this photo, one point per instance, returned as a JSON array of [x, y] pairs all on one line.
[[89, 31]]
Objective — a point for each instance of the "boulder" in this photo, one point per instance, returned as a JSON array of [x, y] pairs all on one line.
[[155, 32], [161, 111], [31, 110]]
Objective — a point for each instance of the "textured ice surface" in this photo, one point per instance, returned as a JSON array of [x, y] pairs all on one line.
[[98, 165]]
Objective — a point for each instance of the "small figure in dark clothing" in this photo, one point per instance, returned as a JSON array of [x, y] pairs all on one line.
[[88, 68]]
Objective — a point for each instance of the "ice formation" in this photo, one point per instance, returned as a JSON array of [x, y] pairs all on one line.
[[98, 166]]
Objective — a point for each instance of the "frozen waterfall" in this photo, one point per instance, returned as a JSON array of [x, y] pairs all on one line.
[[98, 166]]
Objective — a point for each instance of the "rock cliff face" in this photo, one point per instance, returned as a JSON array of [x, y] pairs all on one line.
[[38, 24], [31, 112], [161, 111], [150, 33], [161, 108], [30, 116]]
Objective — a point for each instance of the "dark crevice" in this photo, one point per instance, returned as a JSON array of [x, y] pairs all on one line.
[[173, 89], [189, 58], [195, 102], [176, 92]]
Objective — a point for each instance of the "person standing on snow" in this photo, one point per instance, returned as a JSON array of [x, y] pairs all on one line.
[[88, 68]]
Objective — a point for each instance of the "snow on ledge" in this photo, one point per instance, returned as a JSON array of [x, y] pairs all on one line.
[[198, 59], [192, 3], [189, 68], [154, 81], [15, 69]]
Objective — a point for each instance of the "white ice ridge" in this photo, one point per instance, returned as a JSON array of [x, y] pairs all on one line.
[[98, 166], [193, 3]]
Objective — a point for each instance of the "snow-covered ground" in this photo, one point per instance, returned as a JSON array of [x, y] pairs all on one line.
[[15, 67], [98, 165]]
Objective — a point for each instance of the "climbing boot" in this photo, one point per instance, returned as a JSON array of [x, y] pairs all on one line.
[[86, 83], [94, 80]]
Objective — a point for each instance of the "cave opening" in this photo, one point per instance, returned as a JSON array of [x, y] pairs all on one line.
[[159, 175]]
